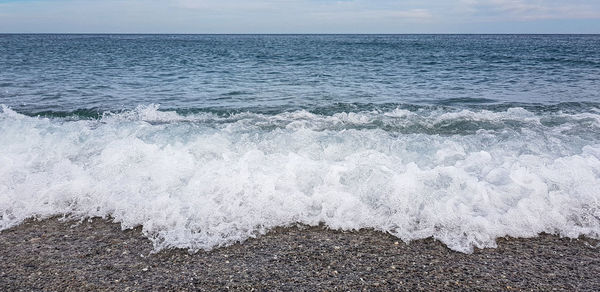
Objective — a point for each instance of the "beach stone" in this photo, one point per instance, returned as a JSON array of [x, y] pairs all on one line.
[[273, 262]]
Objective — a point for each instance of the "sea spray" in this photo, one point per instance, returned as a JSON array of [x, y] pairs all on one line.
[[202, 180]]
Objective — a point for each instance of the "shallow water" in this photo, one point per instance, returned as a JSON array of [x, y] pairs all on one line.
[[209, 140]]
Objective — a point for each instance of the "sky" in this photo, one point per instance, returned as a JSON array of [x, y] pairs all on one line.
[[300, 16]]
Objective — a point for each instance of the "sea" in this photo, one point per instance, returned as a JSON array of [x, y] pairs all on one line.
[[209, 140]]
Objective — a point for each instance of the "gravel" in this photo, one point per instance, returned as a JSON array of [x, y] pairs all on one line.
[[56, 255]]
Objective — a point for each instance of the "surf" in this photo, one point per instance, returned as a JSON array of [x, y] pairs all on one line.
[[203, 180]]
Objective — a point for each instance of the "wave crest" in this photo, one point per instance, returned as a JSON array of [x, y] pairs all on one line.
[[203, 180]]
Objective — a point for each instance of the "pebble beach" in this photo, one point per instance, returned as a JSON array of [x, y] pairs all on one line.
[[59, 255]]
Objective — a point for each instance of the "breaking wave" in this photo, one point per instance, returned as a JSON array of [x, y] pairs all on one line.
[[203, 180]]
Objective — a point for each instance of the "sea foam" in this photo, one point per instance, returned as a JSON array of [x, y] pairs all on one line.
[[199, 181]]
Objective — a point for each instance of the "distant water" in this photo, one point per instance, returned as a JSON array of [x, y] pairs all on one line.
[[206, 140]]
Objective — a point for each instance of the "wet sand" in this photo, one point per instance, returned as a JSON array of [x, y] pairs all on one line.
[[56, 255]]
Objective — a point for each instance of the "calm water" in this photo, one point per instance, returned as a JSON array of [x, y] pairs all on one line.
[[207, 140], [64, 73]]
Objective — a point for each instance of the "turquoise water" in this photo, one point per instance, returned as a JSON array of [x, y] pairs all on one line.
[[206, 140]]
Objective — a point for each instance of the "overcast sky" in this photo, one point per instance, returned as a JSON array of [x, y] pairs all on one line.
[[301, 16]]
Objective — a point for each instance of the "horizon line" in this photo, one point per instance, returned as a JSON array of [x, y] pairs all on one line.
[[300, 33]]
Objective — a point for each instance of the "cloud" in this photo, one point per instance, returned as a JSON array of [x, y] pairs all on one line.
[[333, 9], [412, 15], [526, 10], [298, 16]]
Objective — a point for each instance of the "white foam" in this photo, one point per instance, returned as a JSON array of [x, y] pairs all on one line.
[[202, 181]]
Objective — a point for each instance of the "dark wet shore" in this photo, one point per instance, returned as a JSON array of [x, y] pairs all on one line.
[[54, 255]]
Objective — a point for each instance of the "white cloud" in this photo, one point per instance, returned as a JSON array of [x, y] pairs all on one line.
[[527, 10], [296, 16]]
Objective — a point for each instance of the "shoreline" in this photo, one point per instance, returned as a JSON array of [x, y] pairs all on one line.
[[61, 255]]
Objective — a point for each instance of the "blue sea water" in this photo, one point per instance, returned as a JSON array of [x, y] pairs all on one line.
[[206, 140]]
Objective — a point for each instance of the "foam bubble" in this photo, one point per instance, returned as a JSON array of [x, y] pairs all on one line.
[[200, 181]]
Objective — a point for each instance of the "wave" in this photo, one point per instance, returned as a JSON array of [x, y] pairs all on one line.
[[425, 106], [206, 179]]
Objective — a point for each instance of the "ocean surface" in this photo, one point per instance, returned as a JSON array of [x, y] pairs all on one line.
[[207, 140]]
